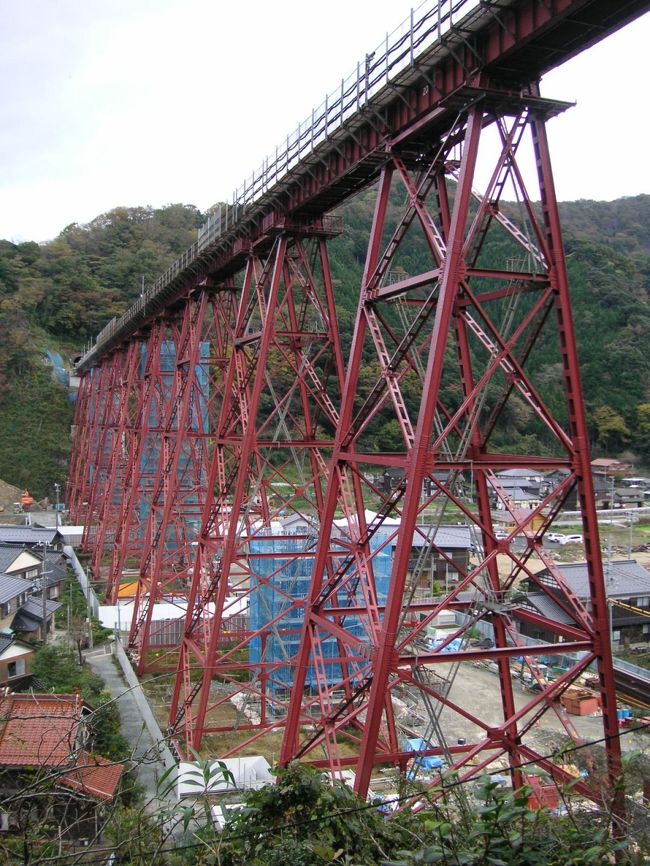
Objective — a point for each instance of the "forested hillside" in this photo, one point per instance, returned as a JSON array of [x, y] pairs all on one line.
[[58, 295]]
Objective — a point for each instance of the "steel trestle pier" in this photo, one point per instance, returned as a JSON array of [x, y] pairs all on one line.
[[234, 444]]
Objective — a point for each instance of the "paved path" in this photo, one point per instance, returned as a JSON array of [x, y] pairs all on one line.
[[143, 749]]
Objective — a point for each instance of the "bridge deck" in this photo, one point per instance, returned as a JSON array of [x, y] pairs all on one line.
[[403, 87]]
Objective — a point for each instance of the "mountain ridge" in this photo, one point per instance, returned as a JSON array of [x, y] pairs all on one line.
[[59, 294]]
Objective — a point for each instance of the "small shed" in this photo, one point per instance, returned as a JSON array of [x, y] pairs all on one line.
[[223, 776]]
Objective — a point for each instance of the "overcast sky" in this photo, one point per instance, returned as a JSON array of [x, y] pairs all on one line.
[[136, 102]]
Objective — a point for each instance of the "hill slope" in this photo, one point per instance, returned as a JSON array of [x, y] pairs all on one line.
[[58, 295]]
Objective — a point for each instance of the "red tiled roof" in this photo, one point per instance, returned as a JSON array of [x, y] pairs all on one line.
[[94, 776], [39, 730]]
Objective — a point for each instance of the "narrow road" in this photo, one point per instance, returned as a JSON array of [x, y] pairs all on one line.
[[144, 750]]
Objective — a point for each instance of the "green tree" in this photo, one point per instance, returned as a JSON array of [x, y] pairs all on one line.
[[58, 669], [611, 429], [305, 821], [643, 428]]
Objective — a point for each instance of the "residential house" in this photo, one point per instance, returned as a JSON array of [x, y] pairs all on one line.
[[45, 765], [440, 553], [56, 571], [516, 488], [20, 562], [21, 612], [28, 621], [552, 481], [522, 517], [609, 466], [33, 565], [523, 475], [625, 581], [16, 658], [298, 524], [32, 536], [14, 592]]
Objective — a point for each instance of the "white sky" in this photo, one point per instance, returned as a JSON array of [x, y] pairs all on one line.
[[135, 102]]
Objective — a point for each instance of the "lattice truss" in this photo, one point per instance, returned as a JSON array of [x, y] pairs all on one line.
[[461, 362], [291, 498], [272, 444], [141, 474]]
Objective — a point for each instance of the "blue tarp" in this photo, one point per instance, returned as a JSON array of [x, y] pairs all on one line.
[[56, 362], [423, 762]]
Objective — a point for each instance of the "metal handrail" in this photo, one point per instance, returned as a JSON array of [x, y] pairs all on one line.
[[422, 30]]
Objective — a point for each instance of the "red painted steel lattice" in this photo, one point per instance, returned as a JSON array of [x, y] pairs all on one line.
[[230, 459]]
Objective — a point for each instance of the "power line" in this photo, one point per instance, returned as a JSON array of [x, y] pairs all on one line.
[[446, 786]]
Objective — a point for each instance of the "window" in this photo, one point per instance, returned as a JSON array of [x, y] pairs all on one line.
[[16, 669], [6, 609]]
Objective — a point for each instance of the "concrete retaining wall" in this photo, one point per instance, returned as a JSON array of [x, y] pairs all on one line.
[[82, 577], [145, 710]]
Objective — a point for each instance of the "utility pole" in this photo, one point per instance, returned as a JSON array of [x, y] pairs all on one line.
[[44, 593], [57, 488], [629, 541], [90, 618]]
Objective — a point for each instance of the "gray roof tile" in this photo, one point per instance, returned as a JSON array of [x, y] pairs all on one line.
[[8, 555], [11, 587], [33, 608], [547, 607], [445, 536], [30, 535], [623, 578]]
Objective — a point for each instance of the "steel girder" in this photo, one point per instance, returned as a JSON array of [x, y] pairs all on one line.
[[459, 363], [271, 445]]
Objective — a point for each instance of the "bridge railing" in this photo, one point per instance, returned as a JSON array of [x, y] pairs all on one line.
[[426, 27]]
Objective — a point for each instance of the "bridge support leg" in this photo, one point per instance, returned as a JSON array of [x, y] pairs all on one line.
[[276, 420], [459, 355]]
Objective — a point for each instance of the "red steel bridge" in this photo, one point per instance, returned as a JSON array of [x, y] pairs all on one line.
[[225, 453]]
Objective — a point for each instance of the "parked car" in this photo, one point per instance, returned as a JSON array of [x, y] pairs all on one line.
[[500, 534], [555, 537], [574, 539]]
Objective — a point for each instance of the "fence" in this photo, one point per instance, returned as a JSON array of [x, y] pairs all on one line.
[[82, 577]]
